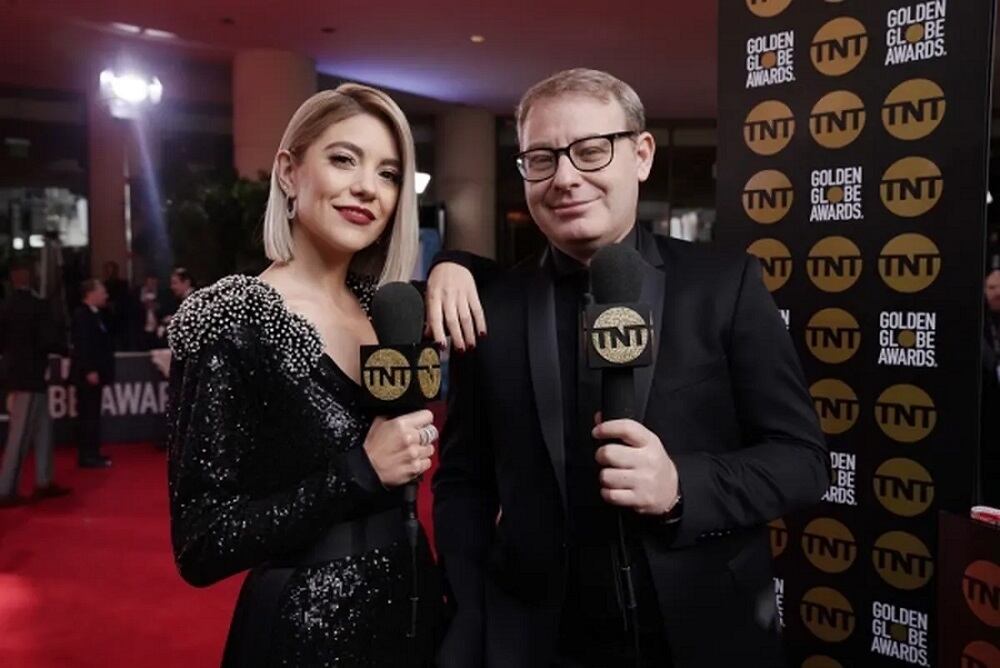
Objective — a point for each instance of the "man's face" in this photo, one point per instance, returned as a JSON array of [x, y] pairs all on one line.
[[179, 286], [992, 290], [580, 212], [99, 296]]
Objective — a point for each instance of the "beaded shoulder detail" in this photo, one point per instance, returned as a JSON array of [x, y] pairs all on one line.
[[240, 302]]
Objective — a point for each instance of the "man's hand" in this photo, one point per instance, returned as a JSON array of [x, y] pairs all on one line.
[[453, 301], [636, 471], [93, 378]]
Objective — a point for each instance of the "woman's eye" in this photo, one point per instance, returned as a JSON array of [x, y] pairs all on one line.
[[342, 159], [392, 177]]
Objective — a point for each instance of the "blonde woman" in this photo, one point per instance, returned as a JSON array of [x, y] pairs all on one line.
[[273, 466]]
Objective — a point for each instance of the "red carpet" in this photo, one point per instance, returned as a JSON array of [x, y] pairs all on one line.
[[88, 580]]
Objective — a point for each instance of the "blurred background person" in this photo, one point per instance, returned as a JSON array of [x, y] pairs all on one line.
[[990, 415], [151, 302], [117, 311], [28, 333], [92, 367]]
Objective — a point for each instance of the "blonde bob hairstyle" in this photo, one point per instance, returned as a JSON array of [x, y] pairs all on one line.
[[394, 255]]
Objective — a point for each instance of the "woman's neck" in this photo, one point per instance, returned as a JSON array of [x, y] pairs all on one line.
[[315, 271]]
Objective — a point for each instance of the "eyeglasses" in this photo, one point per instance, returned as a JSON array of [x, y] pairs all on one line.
[[589, 154]]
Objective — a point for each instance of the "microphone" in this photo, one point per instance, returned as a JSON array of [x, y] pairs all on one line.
[[619, 335], [400, 375]]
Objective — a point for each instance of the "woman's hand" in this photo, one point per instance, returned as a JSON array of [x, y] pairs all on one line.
[[400, 449], [453, 301]]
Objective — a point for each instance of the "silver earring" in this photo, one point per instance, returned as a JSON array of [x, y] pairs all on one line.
[[290, 208]]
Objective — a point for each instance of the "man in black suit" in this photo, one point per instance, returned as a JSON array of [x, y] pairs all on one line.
[[92, 367], [526, 497], [27, 335]]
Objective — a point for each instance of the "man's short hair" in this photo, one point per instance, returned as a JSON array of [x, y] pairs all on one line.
[[592, 83], [88, 286], [183, 274]]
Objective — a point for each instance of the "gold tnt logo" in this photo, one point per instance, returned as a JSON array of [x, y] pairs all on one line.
[[980, 654], [820, 661], [768, 196], [909, 263], [620, 335], [902, 560], [829, 545], [767, 8], [429, 372], [827, 614], [837, 119], [779, 536], [768, 127], [905, 413], [775, 259], [836, 405], [913, 109], [839, 46], [833, 335], [834, 264], [981, 588], [911, 187], [387, 374], [903, 487]]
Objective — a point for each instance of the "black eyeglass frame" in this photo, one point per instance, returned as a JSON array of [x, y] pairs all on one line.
[[566, 150]]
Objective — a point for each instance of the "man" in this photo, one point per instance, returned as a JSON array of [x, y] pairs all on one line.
[[92, 367], [526, 500], [181, 284], [27, 335]]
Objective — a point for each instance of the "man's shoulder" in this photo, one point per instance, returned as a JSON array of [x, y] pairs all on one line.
[[702, 262]]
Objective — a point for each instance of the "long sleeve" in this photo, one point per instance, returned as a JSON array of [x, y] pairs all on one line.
[[782, 463], [223, 519], [465, 511]]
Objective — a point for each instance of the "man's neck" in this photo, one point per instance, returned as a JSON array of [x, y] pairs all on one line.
[[585, 254]]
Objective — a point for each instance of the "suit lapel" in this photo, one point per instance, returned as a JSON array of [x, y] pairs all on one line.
[[543, 355], [653, 289]]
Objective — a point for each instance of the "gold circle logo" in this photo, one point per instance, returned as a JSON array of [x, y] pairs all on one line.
[[902, 560], [839, 46], [387, 374], [837, 119], [909, 263], [911, 187], [981, 588], [818, 660], [903, 487], [834, 264], [768, 127], [767, 8], [768, 196], [429, 372], [913, 109], [836, 405], [620, 335], [779, 536], [905, 413], [833, 335], [775, 259], [980, 654], [827, 614], [829, 545]]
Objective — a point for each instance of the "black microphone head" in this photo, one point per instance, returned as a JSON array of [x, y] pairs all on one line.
[[398, 314], [615, 275]]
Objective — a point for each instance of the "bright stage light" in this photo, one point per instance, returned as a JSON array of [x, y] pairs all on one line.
[[126, 94], [421, 180]]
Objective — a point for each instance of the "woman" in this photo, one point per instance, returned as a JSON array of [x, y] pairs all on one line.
[[273, 466]]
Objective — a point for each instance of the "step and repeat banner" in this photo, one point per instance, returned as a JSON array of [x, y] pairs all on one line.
[[133, 408], [852, 162]]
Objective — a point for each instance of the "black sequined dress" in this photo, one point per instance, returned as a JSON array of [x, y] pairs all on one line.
[[264, 457]]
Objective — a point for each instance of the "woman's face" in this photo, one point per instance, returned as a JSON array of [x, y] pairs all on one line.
[[346, 185]]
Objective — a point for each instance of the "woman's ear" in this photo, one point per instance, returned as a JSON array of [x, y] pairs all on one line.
[[285, 166]]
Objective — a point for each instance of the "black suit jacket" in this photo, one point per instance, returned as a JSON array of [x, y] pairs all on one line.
[[727, 398], [93, 347], [28, 334]]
